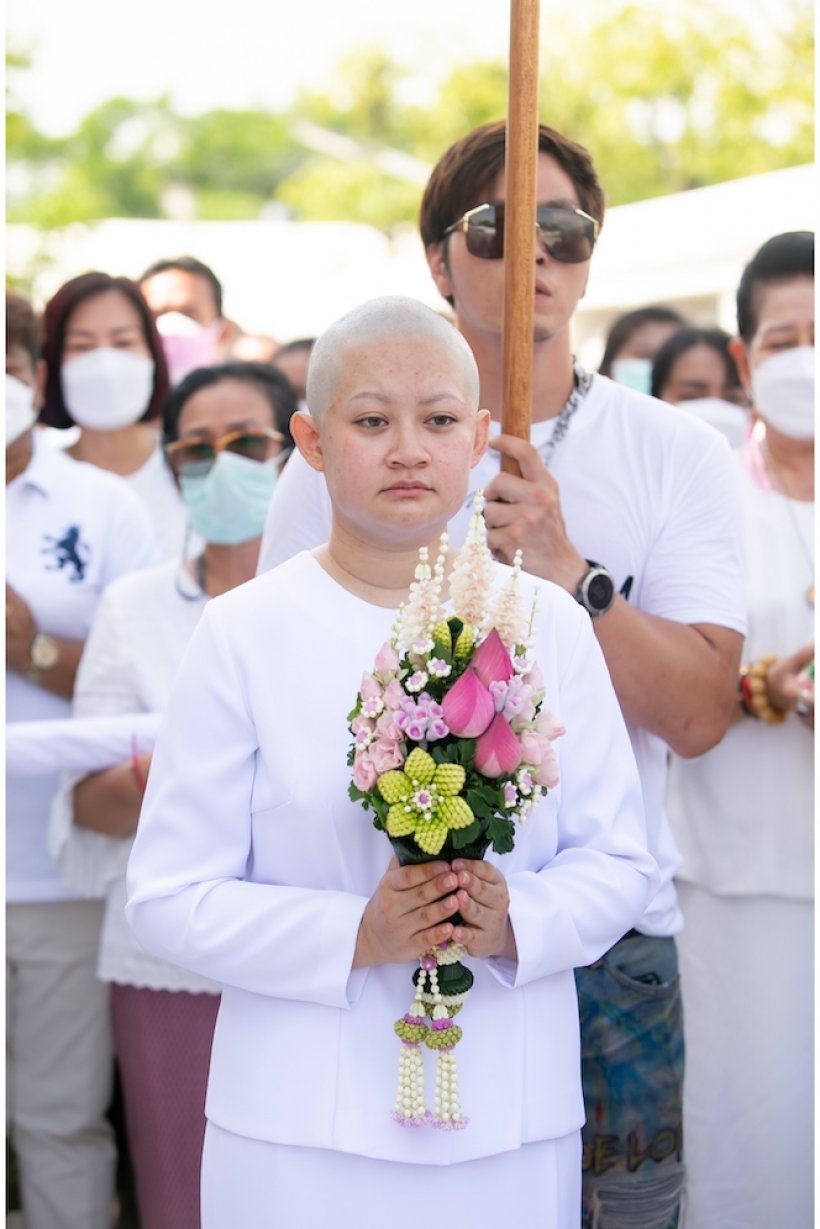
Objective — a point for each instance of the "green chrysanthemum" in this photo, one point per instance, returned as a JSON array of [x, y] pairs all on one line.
[[423, 800]]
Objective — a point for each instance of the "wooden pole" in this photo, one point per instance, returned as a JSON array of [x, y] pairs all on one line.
[[521, 162]]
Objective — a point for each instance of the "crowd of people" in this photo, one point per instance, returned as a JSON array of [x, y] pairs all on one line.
[[219, 529]]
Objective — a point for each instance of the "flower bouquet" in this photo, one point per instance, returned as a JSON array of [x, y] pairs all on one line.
[[451, 746]]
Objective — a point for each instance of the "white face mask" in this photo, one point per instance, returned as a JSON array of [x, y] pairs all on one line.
[[783, 392], [634, 373], [732, 421], [20, 411], [106, 389]]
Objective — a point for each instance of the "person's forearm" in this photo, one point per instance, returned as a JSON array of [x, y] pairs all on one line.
[[676, 681], [59, 679], [110, 801]]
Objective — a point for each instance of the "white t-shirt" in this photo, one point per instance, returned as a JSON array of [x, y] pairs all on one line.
[[140, 632], [743, 813], [71, 528], [646, 490]]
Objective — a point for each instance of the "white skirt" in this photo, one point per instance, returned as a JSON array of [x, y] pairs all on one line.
[[250, 1184], [746, 967]]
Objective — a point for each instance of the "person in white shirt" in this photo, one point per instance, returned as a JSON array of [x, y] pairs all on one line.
[[252, 865], [106, 374], [226, 436], [633, 510], [744, 813], [70, 530]]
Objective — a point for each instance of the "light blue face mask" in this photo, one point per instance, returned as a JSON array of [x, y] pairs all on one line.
[[635, 373], [229, 504]]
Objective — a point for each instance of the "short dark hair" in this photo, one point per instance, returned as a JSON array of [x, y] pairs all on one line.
[[780, 259], [188, 264], [686, 339], [462, 176], [22, 325], [293, 347], [264, 377], [55, 321], [624, 326]]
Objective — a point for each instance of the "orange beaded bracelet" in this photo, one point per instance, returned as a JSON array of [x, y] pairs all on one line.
[[753, 692]]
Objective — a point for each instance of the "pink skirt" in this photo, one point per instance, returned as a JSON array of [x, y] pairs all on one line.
[[162, 1040]]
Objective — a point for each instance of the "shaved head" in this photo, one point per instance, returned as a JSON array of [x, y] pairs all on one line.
[[390, 318]]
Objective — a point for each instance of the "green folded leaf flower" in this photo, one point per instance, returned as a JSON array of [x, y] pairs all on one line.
[[424, 802]]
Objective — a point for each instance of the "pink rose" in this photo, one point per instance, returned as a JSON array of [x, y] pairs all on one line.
[[386, 728], [546, 773], [534, 746], [387, 660], [385, 755], [364, 772], [371, 688], [549, 725], [394, 695]]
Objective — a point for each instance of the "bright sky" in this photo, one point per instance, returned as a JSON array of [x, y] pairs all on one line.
[[241, 53], [246, 53]]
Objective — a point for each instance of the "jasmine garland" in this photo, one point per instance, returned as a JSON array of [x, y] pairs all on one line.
[[451, 746]]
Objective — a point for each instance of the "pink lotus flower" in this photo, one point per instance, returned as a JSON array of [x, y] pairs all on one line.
[[491, 661], [468, 707], [497, 751]]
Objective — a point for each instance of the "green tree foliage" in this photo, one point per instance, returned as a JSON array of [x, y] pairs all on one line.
[[665, 97]]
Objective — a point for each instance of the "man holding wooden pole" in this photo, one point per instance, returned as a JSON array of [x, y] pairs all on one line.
[[632, 510]]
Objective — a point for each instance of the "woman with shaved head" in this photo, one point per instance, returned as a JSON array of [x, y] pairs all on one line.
[[252, 865]]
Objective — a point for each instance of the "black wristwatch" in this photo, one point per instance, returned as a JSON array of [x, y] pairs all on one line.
[[596, 590]]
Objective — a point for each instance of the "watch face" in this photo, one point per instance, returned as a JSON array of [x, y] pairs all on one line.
[[44, 652], [600, 591]]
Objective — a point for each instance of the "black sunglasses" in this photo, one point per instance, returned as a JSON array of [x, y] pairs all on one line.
[[568, 234]]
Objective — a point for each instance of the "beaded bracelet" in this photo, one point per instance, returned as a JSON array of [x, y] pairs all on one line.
[[753, 693]]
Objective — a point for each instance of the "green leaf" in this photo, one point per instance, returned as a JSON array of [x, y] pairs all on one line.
[[465, 836]]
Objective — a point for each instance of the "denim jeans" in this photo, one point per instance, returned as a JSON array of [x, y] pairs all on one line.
[[632, 1066]]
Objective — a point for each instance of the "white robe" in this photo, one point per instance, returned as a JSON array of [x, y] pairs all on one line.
[[252, 866]]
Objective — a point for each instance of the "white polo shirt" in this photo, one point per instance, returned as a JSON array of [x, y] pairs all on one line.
[[70, 529]]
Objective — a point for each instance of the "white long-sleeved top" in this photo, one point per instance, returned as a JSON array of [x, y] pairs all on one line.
[[252, 866]]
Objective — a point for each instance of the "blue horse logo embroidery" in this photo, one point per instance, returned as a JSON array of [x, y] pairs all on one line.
[[68, 551]]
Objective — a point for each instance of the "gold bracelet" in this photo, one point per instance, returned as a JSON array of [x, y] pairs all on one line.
[[757, 694]]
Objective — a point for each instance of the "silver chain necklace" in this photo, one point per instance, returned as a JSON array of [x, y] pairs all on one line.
[[581, 386], [582, 382]]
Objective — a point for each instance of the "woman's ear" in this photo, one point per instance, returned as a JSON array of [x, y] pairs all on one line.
[[738, 351], [305, 432]]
